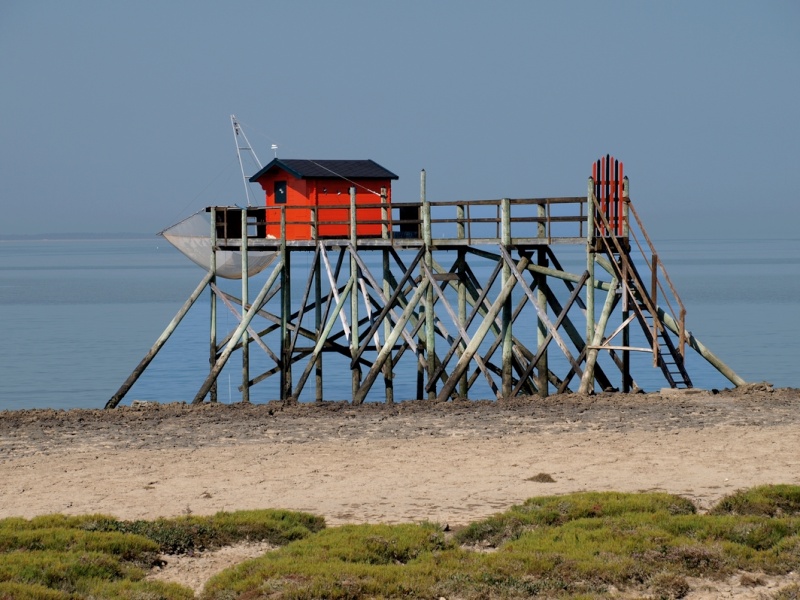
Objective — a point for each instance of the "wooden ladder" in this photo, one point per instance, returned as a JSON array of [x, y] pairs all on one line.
[[612, 237]]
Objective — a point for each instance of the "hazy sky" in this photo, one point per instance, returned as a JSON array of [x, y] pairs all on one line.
[[114, 116]]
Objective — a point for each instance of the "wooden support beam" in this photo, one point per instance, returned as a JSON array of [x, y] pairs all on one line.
[[587, 380], [516, 360], [590, 262], [162, 339], [318, 371], [542, 315], [474, 344], [505, 313], [223, 358], [238, 316], [542, 348], [477, 307], [430, 315], [385, 353], [323, 337], [355, 368], [388, 302], [694, 343], [298, 318], [463, 335], [245, 299]]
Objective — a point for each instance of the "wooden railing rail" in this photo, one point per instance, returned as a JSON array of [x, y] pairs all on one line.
[[543, 215], [655, 262]]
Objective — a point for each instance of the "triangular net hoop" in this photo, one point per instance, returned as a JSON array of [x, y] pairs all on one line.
[[192, 237]]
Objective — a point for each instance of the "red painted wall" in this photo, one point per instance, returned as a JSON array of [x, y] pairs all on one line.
[[334, 222]]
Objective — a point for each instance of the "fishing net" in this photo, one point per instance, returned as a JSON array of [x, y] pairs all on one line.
[[192, 237]]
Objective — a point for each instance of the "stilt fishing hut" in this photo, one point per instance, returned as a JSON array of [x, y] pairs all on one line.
[[394, 290], [315, 195]]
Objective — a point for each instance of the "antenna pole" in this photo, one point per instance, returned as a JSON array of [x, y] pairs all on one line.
[[237, 131]]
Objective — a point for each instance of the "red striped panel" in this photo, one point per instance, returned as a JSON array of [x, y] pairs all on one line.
[[608, 174]]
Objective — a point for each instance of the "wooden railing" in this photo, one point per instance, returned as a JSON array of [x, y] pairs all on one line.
[[530, 220], [654, 265], [614, 244]]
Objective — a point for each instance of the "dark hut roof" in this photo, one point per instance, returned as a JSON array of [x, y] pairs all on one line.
[[325, 169]]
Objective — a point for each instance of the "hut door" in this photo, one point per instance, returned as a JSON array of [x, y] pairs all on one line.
[[280, 192]]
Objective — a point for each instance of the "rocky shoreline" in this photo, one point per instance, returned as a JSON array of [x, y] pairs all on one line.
[[180, 425]]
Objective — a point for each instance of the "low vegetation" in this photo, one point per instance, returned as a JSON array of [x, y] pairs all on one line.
[[95, 556], [587, 545]]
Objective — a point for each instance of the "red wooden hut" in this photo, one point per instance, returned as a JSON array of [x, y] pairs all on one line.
[[302, 184]]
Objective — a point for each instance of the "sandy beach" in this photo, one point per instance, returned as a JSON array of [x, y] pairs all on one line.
[[449, 463]]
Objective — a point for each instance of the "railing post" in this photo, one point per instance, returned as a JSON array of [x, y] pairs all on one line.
[[384, 215], [590, 282], [212, 343], [314, 222], [245, 296], [388, 368], [286, 311], [626, 200], [463, 383], [542, 382], [356, 372], [626, 333], [318, 324], [430, 332], [505, 320], [654, 300]]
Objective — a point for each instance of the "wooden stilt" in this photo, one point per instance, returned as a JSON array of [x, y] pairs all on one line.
[[474, 344], [505, 315], [542, 382], [318, 379], [245, 294], [162, 339], [385, 352], [388, 369], [212, 268], [430, 315], [223, 358], [587, 381], [356, 367], [286, 309], [590, 283], [323, 336]]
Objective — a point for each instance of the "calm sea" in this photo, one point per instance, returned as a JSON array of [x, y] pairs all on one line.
[[79, 315]]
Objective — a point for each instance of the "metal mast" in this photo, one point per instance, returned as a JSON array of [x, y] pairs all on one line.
[[240, 146]]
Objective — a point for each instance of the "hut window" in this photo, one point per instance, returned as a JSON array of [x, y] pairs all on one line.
[[280, 192]]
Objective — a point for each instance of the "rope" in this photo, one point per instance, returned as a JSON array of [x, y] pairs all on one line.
[[331, 171]]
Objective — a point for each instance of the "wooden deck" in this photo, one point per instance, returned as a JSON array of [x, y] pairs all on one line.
[[531, 222]]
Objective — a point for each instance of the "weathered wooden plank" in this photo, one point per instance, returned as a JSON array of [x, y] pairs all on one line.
[[223, 358], [162, 339], [474, 344]]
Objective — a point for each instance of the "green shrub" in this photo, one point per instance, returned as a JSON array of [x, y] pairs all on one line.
[[573, 546], [10, 590], [97, 556], [138, 590], [790, 592], [182, 534], [551, 511], [352, 561], [125, 546], [65, 571], [765, 501]]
